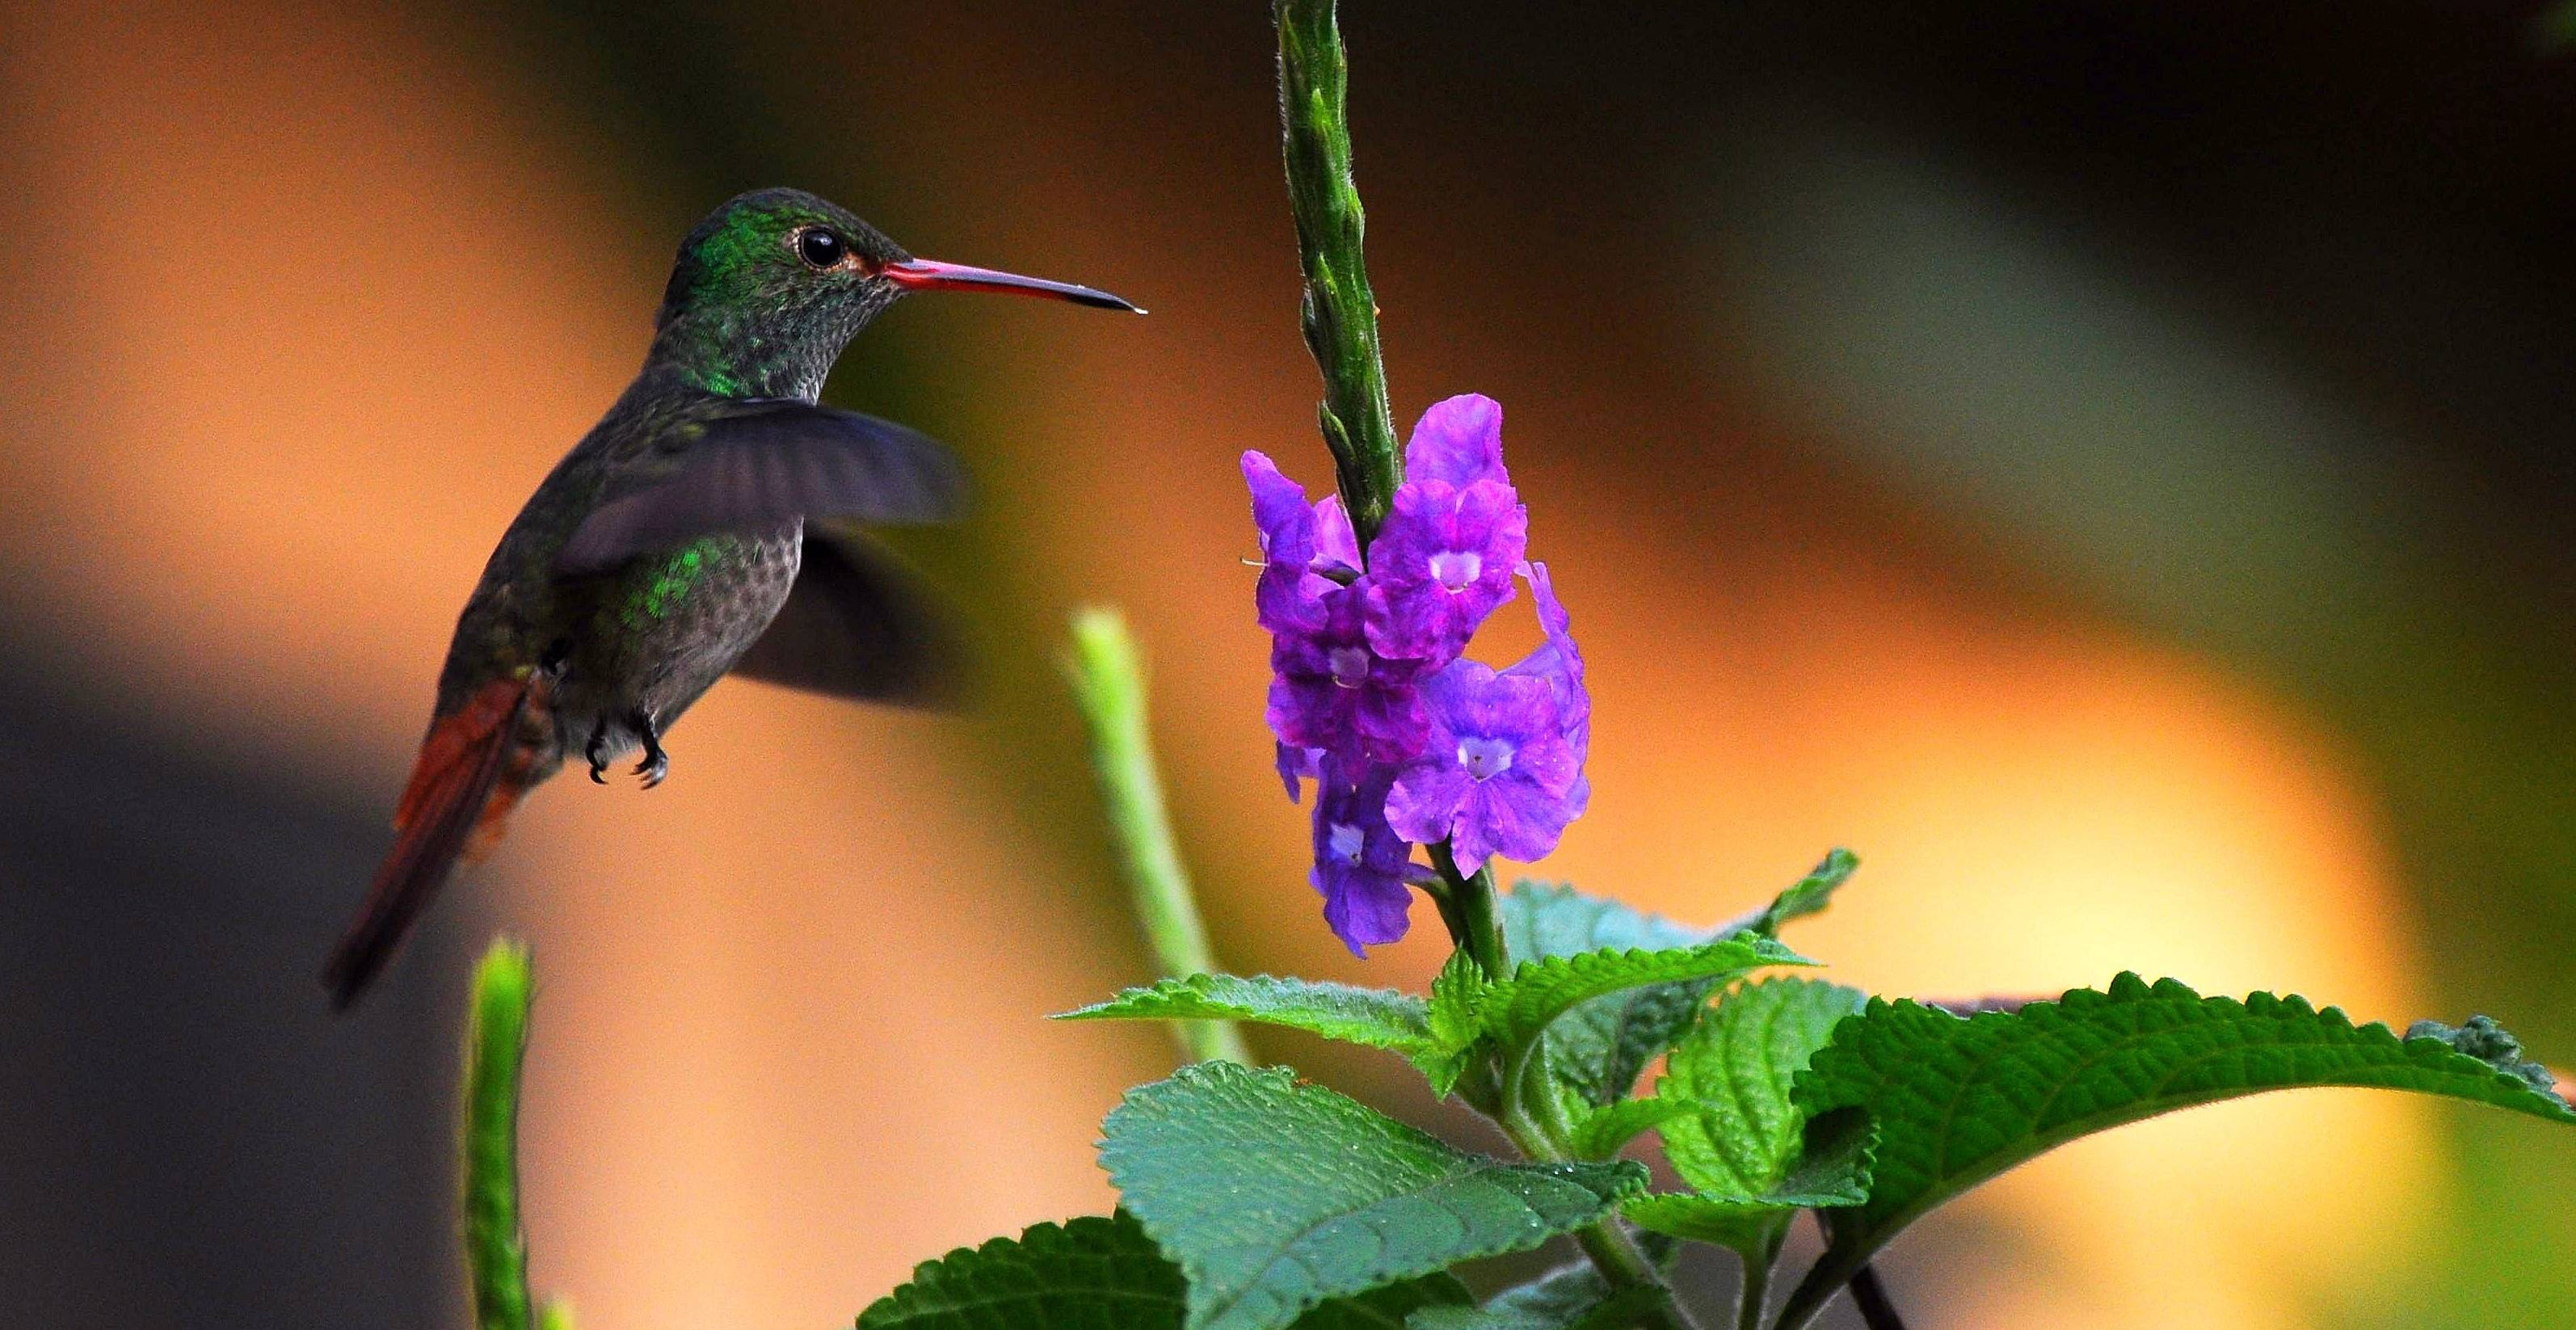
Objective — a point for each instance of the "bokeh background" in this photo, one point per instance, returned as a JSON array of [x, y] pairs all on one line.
[[2106, 463]]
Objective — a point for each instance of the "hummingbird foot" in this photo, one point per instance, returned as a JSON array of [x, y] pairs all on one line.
[[598, 753], [656, 764]]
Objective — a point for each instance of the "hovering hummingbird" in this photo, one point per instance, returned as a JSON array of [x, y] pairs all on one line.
[[704, 526]]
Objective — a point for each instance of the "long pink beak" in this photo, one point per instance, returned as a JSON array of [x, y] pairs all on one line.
[[932, 275]]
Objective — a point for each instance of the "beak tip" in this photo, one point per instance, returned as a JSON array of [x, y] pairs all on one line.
[[934, 275]]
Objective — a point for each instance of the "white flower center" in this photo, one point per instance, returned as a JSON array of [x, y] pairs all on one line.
[[1454, 569], [1346, 842], [1485, 759]]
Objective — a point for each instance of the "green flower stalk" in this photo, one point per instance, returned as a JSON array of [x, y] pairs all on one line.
[[1340, 322], [1339, 316], [496, 1043], [1109, 685], [1339, 311]]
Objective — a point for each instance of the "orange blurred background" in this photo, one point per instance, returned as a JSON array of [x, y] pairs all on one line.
[[2107, 468]]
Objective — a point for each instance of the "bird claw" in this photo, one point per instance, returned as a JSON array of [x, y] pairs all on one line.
[[656, 763]]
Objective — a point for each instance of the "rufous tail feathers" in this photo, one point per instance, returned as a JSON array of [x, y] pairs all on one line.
[[472, 768]]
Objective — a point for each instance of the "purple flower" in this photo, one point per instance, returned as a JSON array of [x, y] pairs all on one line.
[[1360, 863], [1329, 691], [1558, 661], [1454, 531], [1441, 563], [1458, 441], [1337, 546], [1408, 743], [1497, 776], [1298, 765], [1300, 545]]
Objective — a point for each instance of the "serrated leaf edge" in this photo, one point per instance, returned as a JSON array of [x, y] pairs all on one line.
[[1198, 985], [1632, 1178], [2127, 987], [936, 1273], [1501, 1021]]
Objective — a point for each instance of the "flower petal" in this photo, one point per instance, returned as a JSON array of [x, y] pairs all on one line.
[[1366, 909], [1337, 545], [1360, 863], [1459, 440], [1296, 765], [1424, 801]]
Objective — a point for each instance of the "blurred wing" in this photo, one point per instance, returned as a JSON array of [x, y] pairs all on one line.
[[766, 467], [858, 626]]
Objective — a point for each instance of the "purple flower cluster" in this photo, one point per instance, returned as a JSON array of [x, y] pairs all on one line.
[[1408, 742]]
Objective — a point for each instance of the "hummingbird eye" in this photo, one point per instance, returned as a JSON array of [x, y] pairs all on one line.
[[821, 248]]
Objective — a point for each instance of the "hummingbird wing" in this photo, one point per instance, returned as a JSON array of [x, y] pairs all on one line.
[[761, 465], [857, 625]]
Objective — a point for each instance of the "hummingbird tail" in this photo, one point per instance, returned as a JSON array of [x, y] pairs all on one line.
[[472, 769]]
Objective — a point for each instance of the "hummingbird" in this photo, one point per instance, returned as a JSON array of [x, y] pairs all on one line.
[[708, 524]]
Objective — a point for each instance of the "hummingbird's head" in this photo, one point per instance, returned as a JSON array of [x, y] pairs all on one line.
[[774, 283]]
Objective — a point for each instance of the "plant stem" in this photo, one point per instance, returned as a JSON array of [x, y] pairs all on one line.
[[1339, 313], [1757, 1290], [1468, 909], [1825, 1279], [1535, 1121], [1109, 685], [1612, 1251], [496, 1040], [1340, 321], [1870, 1296]]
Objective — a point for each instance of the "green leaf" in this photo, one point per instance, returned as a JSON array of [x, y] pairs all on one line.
[[1100, 1274], [1558, 1296], [1957, 1101], [1373, 1017], [1391, 1307], [1456, 1018], [1835, 1156], [1542, 919], [1598, 1048], [1743, 1227], [1809, 895], [1600, 1132], [1540, 991], [1275, 1196], [1573, 1297], [1832, 1170], [1086, 1274], [1734, 1070]]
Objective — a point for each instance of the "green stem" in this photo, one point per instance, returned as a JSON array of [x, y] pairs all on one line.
[[496, 1041], [1608, 1245], [1467, 906], [1339, 312], [1530, 1114], [1340, 321], [1757, 1261], [1109, 685]]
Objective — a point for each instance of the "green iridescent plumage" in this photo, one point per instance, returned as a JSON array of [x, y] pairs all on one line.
[[667, 581], [670, 546]]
